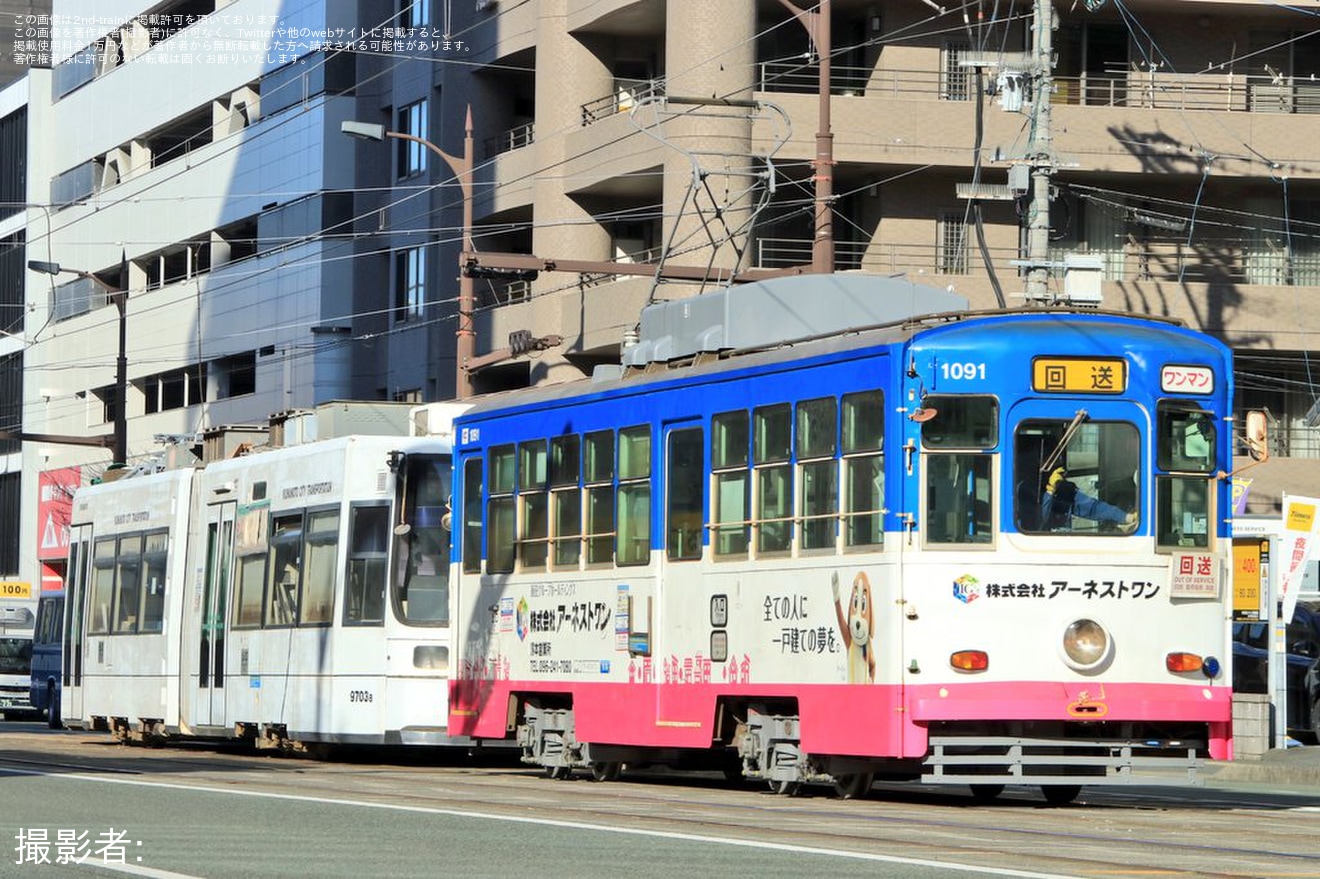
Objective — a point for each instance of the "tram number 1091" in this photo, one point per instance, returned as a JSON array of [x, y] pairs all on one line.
[[962, 371], [359, 695]]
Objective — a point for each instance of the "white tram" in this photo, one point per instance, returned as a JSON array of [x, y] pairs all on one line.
[[290, 596]]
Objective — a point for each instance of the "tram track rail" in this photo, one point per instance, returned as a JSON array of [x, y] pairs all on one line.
[[1156, 831]]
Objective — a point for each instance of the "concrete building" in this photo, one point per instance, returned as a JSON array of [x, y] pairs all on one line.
[[24, 37], [190, 153], [1176, 146], [186, 159]]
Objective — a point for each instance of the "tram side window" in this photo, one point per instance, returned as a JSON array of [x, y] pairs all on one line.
[[959, 490], [128, 582], [633, 540], [322, 548], [684, 476], [103, 586], [731, 501], [251, 582], [817, 444], [566, 499], [368, 548], [598, 482], [472, 516], [534, 502], [285, 571], [154, 560], [1186, 440], [250, 545], [773, 500], [864, 468], [501, 547]]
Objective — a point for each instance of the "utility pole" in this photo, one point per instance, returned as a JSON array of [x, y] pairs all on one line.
[[1040, 155], [462, 166]]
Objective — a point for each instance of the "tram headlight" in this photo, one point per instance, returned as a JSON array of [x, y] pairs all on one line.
[[1086, 644]]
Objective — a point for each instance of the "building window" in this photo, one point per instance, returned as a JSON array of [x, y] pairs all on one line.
[[409, 284], [107, 399], [951, 244], [233, 376], [11, 403], [956, 80], [412, 155], [414, 13], [11, 491], [175, 389]]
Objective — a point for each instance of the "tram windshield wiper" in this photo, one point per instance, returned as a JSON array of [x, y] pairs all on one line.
[[1068, 433]]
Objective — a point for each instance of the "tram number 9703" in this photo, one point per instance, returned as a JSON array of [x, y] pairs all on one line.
[[359, 695], [967, 370]]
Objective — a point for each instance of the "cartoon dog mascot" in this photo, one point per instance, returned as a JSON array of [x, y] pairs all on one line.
[[858, 628]]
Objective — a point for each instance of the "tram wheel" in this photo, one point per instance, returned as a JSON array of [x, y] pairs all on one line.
[[606, 770], [558, 773], [853, 785], [1060, 794], [984, 793], [53, 707], [785, 788]]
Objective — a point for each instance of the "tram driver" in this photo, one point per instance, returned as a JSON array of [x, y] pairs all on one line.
[[1048, 500]]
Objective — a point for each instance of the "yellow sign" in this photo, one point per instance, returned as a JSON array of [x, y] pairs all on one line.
[[15, 589], [1249, 559], [1090, 375], [1300, 517]]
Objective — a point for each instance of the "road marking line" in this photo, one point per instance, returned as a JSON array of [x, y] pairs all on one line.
[[550, 822], [136, 870]]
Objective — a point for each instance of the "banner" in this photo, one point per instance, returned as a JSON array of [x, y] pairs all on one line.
[[1241, 487], [1298, 540], [54, 508]]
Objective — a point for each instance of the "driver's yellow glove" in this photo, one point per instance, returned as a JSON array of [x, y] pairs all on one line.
[[1055, 478]]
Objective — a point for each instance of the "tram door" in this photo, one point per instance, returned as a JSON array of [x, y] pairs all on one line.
[[209, 697], [71, 694], [684, 591]]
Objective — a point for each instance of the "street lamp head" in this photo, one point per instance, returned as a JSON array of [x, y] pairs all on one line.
[[363, 130], [45, 268]]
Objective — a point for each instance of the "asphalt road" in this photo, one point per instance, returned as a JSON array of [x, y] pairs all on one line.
[[203, 812]]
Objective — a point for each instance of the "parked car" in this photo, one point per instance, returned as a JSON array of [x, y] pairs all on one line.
[[1251, 669]]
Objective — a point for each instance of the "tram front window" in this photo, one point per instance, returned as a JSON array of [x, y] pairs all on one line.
[[420, 593], [1076, 477]]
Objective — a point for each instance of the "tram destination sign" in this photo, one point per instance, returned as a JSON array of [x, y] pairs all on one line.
[[1079, 375]]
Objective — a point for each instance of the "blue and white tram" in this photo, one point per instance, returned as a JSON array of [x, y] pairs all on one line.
[[969, 548], [291, 596]]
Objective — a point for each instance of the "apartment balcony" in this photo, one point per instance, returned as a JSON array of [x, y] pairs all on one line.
[[620, 18], [506, 177], [1115, 122], [502, 30], [506, 141]]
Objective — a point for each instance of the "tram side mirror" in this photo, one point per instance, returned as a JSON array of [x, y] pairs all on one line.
[[447, 520], [1257, 437], [923, 414]]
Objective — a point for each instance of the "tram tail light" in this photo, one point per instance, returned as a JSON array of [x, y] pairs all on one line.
[[1182, 662], [970, 660]]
